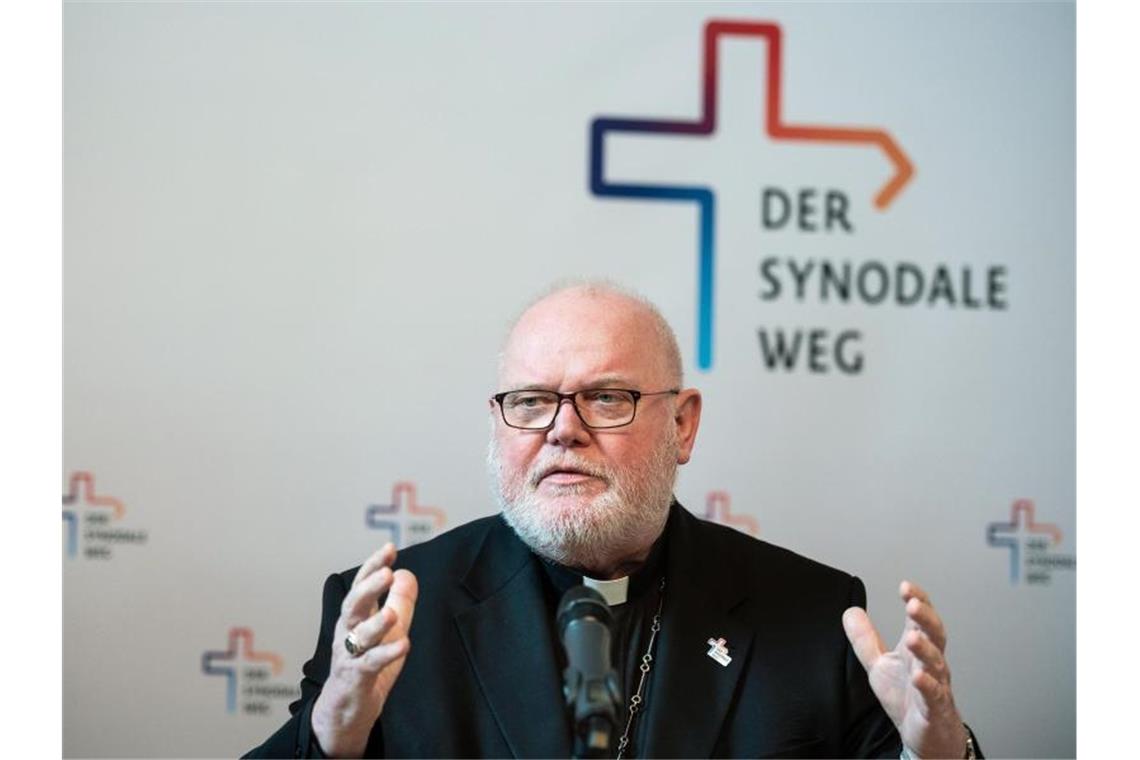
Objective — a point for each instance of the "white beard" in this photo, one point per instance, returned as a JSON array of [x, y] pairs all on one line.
[[597, 532]]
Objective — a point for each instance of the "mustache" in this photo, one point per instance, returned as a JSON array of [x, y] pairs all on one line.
[[557, 462]]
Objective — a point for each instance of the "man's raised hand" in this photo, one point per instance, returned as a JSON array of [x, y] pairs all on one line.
[[358, 686], [912, 681]]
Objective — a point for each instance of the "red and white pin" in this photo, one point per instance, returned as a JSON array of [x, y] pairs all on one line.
[[718, 651]]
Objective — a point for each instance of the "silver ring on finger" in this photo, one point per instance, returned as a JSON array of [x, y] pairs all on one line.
[[353, 646]]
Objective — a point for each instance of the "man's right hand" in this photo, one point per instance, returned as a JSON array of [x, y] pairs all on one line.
[[357, 687]]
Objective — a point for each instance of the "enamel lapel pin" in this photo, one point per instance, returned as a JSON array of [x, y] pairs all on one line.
[[718, 651]]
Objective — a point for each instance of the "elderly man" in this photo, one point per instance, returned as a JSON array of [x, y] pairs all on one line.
[[724, 645]]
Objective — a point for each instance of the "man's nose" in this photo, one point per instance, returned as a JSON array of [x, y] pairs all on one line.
[[567, 428]]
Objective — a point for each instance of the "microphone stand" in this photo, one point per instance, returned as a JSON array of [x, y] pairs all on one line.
[[585, 627], [593, 704]]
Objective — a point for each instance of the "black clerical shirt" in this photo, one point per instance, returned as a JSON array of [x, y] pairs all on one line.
[[633, 622]]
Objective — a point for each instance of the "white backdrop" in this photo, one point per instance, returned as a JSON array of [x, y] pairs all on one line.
[[295, 234]]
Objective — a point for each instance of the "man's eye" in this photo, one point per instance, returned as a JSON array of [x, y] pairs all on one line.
[[605, 397], [528, 400]]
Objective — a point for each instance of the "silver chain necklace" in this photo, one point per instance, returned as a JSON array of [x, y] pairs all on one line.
[[637, 699]]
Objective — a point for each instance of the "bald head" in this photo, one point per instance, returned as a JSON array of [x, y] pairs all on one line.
[[594, 321]]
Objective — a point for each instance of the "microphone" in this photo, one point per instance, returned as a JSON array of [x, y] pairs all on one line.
[[585, 627]]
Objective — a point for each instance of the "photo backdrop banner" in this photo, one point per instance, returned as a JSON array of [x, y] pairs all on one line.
[[296, 233]]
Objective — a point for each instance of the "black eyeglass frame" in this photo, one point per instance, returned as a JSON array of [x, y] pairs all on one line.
[[637, 396]]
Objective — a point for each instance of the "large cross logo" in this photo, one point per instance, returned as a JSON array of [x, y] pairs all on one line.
[[1020, 529], [703, 197], [240, 649]]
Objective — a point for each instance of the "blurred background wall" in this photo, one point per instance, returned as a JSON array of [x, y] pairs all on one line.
[[295, 234]]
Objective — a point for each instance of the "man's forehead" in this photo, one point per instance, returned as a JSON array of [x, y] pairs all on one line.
[[534, 357], [590, 339]]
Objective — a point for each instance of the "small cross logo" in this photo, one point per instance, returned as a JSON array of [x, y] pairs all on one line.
[[99, 510], [240, 650], [717, 509], [1021, 532], [718, 651], [406, 520]]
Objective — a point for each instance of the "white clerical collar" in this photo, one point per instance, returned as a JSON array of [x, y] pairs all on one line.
[[614, 592]]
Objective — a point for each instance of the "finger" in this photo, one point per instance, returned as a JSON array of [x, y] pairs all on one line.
[[865, 640], [382, 557], [928, 621], [909, 590], [928, 657], [402, 599], [360, 603], [382, 655], [934, 694], [369, 633]]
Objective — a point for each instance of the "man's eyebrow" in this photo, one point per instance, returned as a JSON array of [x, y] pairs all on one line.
[[609, 381], [606, 381]]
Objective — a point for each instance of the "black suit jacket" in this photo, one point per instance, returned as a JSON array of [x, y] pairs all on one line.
[[482, 679]]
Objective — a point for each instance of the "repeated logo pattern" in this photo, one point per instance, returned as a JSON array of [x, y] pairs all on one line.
[[240, 661], [1029, 543], [718, 510], [93, 513], [405, 519]]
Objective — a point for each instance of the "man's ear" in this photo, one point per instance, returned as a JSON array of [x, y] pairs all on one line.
[[687, 419]]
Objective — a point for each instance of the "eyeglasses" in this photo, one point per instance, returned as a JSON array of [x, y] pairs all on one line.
[[598, 408]]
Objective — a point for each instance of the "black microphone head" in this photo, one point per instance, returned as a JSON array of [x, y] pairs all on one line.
[[582, 602], [585, 628]]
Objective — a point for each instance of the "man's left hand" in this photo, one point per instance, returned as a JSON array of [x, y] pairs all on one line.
[[912, 681]]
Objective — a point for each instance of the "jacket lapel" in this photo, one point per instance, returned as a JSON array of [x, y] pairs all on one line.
[[690, 692], [509, 644]]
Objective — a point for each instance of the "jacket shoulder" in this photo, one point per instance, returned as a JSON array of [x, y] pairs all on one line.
[[447, 555], [762, 564]]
